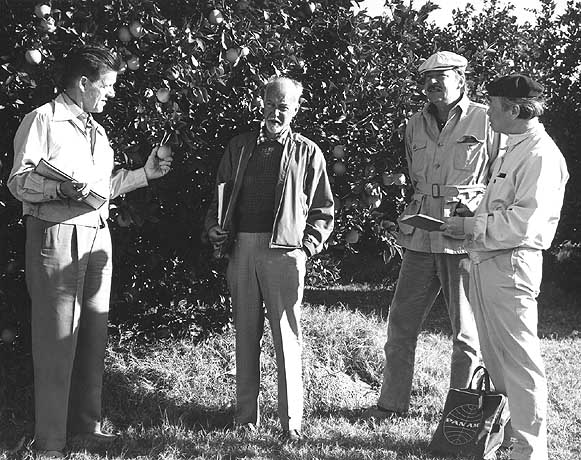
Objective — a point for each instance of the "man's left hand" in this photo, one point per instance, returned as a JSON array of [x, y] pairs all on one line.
[[453, 227], [156, 167]]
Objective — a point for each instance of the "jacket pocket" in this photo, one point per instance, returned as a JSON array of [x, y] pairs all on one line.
[[419, 156], [466, 150]]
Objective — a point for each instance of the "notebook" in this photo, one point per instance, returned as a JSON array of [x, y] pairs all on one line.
[[422, 221], [45, 169]]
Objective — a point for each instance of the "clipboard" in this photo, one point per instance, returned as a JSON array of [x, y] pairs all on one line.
[[45, 169], [430, 224]]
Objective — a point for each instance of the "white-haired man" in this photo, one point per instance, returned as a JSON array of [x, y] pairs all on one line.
[[279, 211]]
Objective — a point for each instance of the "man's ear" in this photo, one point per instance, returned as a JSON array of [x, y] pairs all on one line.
[[82, 83], [515, 111]]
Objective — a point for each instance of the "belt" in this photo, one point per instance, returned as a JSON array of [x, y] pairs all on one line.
[[442, 190]]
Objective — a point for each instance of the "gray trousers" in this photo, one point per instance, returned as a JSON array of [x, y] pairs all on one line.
[[421, 277], [68, 274], [504, 291], [261, 278]]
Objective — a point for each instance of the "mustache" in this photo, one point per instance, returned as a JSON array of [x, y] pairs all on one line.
[[434, 88]]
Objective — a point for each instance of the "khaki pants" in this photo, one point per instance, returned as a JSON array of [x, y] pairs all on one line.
[[421, 277], [503, 291], [259, 278], [68, 274]]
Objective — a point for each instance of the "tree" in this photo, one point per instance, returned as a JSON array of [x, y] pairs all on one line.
[[193, 78]]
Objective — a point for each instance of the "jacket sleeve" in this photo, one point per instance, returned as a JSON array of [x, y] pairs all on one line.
[[537, 202], [224, 174], [125, 181], [30, 146], [321, 212]]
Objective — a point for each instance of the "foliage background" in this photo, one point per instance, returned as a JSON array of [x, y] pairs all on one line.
[[360, 90]]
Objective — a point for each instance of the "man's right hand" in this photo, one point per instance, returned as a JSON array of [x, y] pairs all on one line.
[[217, 235]]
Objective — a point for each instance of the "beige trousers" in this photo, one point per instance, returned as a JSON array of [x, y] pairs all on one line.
[[261, 278], [68, 274], [503, 292]]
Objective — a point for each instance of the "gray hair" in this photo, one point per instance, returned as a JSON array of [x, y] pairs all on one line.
[[272, 81], [529, 107]]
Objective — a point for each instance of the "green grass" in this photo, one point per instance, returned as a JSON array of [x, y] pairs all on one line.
[[174, 399]]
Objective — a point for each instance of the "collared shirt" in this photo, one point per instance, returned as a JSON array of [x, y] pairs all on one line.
[[280, 138], [522, 203], [460, 154], [54, 132]]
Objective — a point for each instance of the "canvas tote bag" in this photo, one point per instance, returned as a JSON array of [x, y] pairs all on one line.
[[473, 420]]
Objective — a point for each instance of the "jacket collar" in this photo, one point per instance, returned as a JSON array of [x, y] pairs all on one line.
[[534, 127], [461, 106], [65, 109]]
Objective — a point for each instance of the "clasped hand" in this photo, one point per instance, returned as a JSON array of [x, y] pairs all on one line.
[[217, 236], [74, 190], [454, 226]]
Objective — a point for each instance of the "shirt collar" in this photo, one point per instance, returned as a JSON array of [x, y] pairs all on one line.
[[461, 105], [66, 109], [281, 138], [514, 139]]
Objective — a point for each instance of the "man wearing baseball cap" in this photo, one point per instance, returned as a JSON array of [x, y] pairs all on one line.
[[516, 219], [449, 148]]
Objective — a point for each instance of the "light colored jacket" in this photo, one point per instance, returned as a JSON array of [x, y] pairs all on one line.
[[446, 167], [522, 204], [54, 132], [304, 206]]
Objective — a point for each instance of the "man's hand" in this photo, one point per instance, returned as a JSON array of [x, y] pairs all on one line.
[[74, 190], [156, 167], [462, 210], [217, 235], [454, 228]]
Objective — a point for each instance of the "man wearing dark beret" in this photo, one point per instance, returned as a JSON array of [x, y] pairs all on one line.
[[505, 237]]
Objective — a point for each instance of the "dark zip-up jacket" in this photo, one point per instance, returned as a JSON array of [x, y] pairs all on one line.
[[304, 213]]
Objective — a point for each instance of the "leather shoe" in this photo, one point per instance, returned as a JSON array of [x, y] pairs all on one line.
[[97, 437], [291, 436], [48, 454], [379, 413]]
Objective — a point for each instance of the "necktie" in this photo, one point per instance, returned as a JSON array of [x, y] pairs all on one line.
[[90, 129]]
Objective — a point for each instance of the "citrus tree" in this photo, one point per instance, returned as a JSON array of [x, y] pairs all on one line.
[[192, 78]]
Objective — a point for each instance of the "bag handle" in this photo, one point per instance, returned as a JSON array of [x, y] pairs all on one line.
[[482, 383]]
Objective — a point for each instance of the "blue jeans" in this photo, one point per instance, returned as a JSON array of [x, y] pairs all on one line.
[[421, 277]]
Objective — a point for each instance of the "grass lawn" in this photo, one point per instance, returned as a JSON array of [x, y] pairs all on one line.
[[173, 399]]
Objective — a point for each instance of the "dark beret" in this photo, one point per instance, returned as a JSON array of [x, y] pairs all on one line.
[[515, 85]]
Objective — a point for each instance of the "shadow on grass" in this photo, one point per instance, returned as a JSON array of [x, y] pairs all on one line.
[[264, 444], [376, 302], [121, 399], [559, 311]]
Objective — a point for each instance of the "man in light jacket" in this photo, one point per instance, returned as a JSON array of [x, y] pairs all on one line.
[[505, 236], [449, 148], [278, 210], [68, 246]]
